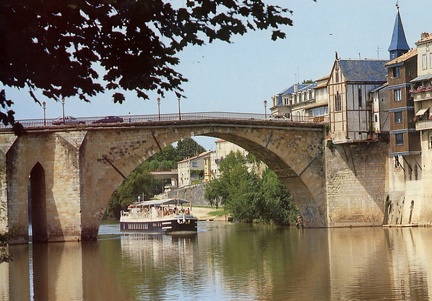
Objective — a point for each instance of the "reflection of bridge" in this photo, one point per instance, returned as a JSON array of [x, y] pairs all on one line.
[[73, 170]]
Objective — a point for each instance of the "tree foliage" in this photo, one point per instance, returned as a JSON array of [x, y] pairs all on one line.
[[82, 48], [249, 196], [187, 148], [139, 183], [5, 237]]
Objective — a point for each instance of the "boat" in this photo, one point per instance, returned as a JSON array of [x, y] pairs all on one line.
[[159, 216]]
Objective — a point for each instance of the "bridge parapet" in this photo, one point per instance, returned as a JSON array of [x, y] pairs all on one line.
[[163, 118]]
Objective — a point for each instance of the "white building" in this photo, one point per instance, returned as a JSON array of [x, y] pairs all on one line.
[[191, 170]]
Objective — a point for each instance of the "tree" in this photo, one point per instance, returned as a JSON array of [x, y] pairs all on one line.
[[139, 183], [188, 148], [82, 48], [249, 196]]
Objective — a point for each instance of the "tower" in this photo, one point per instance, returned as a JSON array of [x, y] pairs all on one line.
[[398, 44]]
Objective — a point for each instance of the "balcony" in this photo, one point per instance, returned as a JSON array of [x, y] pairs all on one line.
[[422, 125], [421, 93]]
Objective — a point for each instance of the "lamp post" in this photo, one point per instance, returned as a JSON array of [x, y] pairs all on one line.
[[63, 104], [179, 108], [158, 100], [44, 110], [265, 109]]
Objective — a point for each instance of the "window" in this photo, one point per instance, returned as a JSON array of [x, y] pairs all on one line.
[[430, 141], [430, 60], [337, 102], [359, 91], [399, 139], [398, 117], [396, 72], [424, 62], [397, 95]]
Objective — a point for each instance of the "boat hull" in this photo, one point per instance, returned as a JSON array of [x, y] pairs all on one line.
[[188, 224]]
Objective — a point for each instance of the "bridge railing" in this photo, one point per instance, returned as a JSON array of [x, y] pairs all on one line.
[[30, 123]]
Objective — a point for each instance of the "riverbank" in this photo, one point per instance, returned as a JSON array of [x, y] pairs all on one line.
[[204, 214]]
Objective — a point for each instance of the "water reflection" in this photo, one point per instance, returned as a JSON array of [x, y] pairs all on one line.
[[227, 262]]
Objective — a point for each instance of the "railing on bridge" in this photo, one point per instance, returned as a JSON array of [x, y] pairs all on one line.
[[29, 123]]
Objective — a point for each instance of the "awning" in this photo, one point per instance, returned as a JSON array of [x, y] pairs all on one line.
[[421, 112], [422, 78]]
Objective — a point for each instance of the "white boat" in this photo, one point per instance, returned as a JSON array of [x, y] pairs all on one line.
[[159, 216]]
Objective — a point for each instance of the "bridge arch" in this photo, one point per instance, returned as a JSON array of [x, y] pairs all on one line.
[[37, 204]]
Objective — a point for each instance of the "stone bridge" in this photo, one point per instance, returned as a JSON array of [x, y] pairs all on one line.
[[66, 175]]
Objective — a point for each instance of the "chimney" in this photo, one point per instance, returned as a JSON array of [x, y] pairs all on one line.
[[424, 35]]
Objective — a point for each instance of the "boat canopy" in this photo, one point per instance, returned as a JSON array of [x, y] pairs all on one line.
[[171, 201]]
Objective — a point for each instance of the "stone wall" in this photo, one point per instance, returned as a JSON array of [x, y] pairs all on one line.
[[357, 189], [193, 193]]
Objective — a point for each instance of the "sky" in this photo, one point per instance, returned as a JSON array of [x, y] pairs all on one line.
[[238, 77]]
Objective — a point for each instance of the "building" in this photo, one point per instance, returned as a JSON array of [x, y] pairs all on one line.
[[306, 102], [210, 167], [350, 86], [404, 139], [318, 110], [191, 170], [380, 113], [223, 149]]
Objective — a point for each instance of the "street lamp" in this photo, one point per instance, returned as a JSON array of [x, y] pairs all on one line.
[[265, 109], [63, 104], [158, 100], [44, 110], [179, 108]]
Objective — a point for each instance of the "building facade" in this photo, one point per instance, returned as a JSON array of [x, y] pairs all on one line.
[[191, 170], [350, 101], [306, 102]]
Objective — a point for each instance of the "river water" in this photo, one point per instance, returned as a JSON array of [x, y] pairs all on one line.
[[227, 261]]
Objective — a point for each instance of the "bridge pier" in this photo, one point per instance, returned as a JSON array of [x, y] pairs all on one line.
[[42, 187]]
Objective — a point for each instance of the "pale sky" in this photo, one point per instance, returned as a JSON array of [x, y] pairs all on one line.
[[238, 77]]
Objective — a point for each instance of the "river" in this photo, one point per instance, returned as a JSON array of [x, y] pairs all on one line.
[[227, 261]]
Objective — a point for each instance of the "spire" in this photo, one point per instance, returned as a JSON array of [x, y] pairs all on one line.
[[398, 45]]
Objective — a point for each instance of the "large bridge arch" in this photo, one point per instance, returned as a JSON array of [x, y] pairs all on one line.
[[84, 165], [294, 153]]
